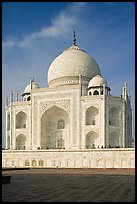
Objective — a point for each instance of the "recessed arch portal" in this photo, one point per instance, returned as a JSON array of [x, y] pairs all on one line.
[[114, 140], [92, 116], [21, 118], [21, 142], [92, 140], [114, 115], [54, 128], [8, 142]]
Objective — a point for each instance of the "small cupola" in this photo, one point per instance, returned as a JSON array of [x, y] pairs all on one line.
[[27, 92], [98, 86]]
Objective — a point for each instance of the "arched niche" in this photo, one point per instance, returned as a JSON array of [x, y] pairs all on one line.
[[114, 140], [27, 162], [54, 128], [21, 142], [21, 119], [114, 115], [34, 162], [92, 116], [41, 162], [8, 142], [92, 140], [8, 121]]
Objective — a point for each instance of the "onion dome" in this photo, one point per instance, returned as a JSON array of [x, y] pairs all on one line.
[[31, 85], [68, 66]]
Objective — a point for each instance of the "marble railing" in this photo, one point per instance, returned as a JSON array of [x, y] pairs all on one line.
[[87, 158]]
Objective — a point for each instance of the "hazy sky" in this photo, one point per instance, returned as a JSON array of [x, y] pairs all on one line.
[[35, 33]]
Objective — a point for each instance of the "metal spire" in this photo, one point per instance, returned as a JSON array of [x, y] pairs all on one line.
[[74, 39]]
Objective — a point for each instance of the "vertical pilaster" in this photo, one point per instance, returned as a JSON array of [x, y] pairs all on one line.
[[30, 121], [13, 130], [79, 110], [11, 124], [39, 127], [123, 92], [16, 96], [29, 126], [124, 125], [126, 91], [82, 125], [103, 140]]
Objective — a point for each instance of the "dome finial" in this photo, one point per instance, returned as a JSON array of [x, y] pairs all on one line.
[[74, 39], [32, 79]]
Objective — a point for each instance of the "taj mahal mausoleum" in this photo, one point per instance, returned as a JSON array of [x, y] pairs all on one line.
[[75, 122]]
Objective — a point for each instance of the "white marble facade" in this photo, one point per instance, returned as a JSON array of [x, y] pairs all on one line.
[[76, 112]]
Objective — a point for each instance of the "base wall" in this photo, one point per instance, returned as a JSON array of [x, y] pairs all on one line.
[[94, 158]]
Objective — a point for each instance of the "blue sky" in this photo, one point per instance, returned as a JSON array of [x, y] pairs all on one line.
[[35, 33]]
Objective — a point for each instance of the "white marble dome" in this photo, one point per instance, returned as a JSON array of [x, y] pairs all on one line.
[[28, 87], [68, 66], [97, 81]]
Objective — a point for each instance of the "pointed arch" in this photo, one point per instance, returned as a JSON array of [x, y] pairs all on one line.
[[92, 140], [95, 92], [114, 116], [92, 116], [34, 162], [114, 140], [27, 162], [21, 142], [21, 119], [54, 126], [41, 162], [8, 142]]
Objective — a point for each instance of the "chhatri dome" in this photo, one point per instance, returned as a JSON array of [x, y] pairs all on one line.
[[31, 85], [97, 81], [27, 92], [68, 66]]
